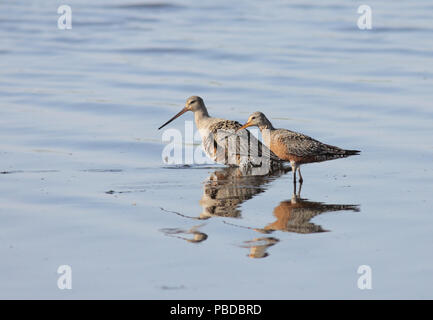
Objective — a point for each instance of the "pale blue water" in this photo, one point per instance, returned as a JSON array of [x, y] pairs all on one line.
[[79, 112]]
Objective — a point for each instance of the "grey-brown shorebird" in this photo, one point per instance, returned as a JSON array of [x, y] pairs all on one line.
[[215, 134], [297, 148]]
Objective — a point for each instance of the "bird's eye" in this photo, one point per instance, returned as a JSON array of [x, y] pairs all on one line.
[[193, 101], [253, 118]]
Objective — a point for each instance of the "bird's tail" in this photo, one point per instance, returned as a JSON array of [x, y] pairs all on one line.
[[351, 152], [334, 152]]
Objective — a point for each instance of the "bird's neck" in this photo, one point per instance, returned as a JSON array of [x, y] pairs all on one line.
[[200, 115], [266, 129], [266, 125]]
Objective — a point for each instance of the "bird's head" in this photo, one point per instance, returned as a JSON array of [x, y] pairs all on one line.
[[193, 104], [256, 119]]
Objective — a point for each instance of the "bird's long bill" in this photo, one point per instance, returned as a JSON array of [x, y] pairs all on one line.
[[246, 125], [176, 116]]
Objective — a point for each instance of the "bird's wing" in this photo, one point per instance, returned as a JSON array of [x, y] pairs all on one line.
[[301, 145], [229, 146]]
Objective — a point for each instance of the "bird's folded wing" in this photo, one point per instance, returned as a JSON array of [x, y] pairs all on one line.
[[236, 147], [300, 145]]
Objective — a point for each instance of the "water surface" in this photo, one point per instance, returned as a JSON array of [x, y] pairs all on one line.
[[82, 181]]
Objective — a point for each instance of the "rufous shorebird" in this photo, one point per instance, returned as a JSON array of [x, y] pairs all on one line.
[[297, 148], [215, 135]]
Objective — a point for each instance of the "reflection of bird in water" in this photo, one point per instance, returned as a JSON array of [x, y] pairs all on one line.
[[217, 134], [197, 235], [297, 148], [294, 215], [258, 246], [226, 189]]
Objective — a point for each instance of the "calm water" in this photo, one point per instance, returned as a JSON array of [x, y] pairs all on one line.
[[83, 183]]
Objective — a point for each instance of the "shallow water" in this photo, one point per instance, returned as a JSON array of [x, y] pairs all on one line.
[[83, 184]]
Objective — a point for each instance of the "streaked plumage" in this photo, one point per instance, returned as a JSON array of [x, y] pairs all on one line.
[[297, 148], [216, 134]]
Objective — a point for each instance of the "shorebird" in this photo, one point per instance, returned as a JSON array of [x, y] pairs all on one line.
[[217, 133], [297, 148]]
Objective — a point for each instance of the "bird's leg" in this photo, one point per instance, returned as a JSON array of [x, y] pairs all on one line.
[[299, 191], [294, 175], [300, 175]]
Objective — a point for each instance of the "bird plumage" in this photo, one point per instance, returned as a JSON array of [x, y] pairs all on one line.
[[289, 144], [223, 143], [295, 147]]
